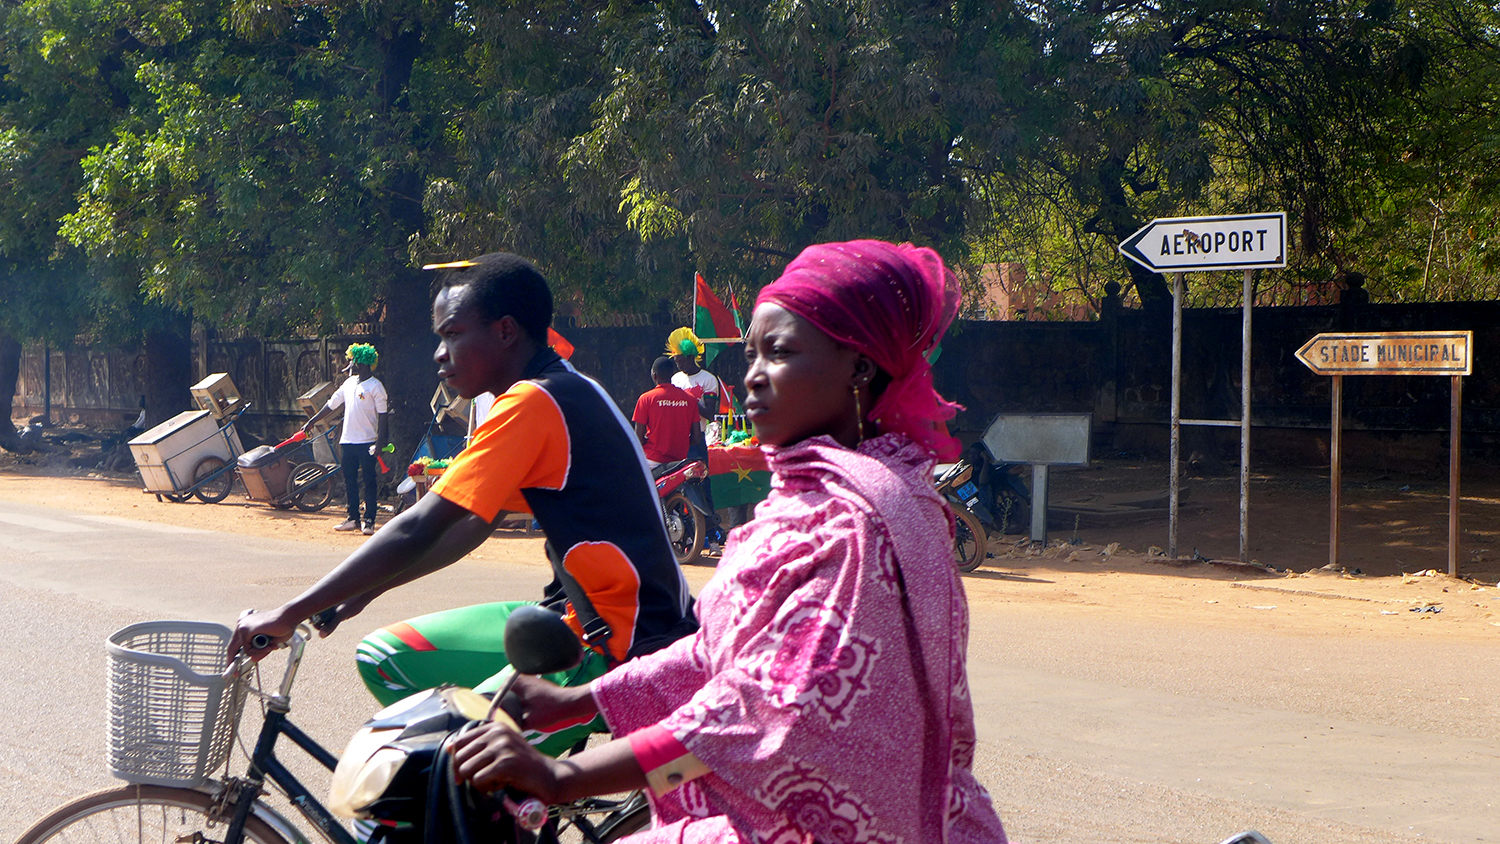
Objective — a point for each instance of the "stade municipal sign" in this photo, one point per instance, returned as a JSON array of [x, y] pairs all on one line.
[[1389, 353], [1191, 244]]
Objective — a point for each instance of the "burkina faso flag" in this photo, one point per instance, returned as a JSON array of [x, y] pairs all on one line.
[[711, 318]]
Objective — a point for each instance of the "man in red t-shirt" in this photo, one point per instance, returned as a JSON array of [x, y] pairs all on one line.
[[666, 418]]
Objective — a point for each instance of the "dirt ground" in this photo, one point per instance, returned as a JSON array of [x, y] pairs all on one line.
[[1393, 546]]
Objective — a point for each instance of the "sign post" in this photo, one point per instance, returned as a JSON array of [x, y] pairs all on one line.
[[1181, 244], [1391, 353]]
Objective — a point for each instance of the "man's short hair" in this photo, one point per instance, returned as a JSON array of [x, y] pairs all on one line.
[[663, 368], [503, 284]]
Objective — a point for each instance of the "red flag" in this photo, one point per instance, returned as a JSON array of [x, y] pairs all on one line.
[[710, 317], [559, 343], [734, 304]]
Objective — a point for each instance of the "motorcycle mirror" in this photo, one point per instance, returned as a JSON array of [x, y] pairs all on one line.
[[538, 641]]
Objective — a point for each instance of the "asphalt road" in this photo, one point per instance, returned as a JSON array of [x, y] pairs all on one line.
[[1092, 729]]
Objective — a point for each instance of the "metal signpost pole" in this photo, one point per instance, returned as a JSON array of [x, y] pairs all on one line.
[[1176, 431], [47, 384], [1454, 425], [1245, 418], [1227, 242], [1391, 353], [1039, 498], [1335, 470]]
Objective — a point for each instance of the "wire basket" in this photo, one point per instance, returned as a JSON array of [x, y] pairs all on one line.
[[172, 715]]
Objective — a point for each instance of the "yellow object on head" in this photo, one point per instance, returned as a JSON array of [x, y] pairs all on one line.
[[683, 341]]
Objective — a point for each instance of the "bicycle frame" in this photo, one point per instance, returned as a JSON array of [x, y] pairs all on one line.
[[245, 793], [264, 764]]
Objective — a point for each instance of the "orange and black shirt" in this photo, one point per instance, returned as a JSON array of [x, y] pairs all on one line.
[[556, 446]]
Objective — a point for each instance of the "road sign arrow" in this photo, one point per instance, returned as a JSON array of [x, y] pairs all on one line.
[[1186, 244], [1389, 353]]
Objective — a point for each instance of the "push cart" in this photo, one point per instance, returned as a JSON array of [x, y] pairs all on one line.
[[191, 454], [292, 474]]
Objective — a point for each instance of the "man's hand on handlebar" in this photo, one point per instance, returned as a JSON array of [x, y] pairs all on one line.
[[268, 629], [329, 620]]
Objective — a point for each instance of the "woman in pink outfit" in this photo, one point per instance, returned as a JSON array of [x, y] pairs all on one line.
[[825, 697]]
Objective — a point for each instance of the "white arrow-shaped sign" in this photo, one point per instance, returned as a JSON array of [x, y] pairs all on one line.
[[1390, 353], [1188, 244]]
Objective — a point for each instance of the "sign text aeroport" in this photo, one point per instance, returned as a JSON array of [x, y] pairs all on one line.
[[1389, 353], [1183, 244]]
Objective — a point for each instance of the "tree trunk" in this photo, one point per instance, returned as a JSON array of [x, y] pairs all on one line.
[[10, 373], [169, 369], [408, 372], [406, 366]]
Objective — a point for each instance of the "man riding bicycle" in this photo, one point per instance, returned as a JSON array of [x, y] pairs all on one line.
[[555, 445]]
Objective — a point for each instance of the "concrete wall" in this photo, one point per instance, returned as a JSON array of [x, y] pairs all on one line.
[[1117, 367]]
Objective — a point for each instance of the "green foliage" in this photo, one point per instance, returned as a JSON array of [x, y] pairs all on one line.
[[271, 165], [769, 126], [1360, 119]]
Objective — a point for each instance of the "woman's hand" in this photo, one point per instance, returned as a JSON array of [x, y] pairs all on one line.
[[543, 704], [493, 756]]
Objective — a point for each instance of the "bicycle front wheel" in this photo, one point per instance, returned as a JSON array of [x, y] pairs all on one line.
[[137, 814]]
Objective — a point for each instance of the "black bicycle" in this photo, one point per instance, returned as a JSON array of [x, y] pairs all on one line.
[[173, 719]]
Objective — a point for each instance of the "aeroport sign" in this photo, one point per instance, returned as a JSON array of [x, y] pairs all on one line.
[[1189, 244]]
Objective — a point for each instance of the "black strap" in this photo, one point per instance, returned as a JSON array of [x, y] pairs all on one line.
[[596, 631]]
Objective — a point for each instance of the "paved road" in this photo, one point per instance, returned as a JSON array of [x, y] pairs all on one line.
[[1092, 729]]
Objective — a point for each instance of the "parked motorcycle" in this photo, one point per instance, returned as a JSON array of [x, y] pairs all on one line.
[[684, 505], [986, 497]]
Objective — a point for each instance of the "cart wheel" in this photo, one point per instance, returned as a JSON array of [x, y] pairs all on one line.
[[215, 490], [310, 486]]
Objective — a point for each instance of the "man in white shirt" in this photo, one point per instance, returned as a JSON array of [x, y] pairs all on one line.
[[686, 351], [704, 386], [365, 433]]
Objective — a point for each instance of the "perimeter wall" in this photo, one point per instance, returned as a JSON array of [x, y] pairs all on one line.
[[1116, 367]]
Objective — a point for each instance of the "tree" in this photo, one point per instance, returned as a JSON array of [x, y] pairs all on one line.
[[276, 181], [738, 133], [63, 89]]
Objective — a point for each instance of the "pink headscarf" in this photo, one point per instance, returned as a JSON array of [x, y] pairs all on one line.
[[892, 304]]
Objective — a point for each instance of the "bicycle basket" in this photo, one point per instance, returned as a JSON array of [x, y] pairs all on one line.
[[172, 715]]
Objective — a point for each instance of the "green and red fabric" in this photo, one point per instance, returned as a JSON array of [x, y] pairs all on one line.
[[465, 647], [711, 318], [738, 474]]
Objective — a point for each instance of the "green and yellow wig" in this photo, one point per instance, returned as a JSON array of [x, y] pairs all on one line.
[[683, 341], [363, 354]]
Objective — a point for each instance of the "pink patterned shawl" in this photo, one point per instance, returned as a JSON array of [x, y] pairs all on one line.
[[804, 692], [890, 302]]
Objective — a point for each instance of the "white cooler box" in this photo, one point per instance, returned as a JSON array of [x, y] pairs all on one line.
[[167, 454]]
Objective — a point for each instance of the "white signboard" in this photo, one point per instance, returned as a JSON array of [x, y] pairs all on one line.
[[1389, 353], [1057, 439], [1188, 244]]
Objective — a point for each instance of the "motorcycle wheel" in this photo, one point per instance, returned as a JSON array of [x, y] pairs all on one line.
[[685, 526], [970, 544]]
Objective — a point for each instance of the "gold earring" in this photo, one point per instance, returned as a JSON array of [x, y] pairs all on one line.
[[859, 414]]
